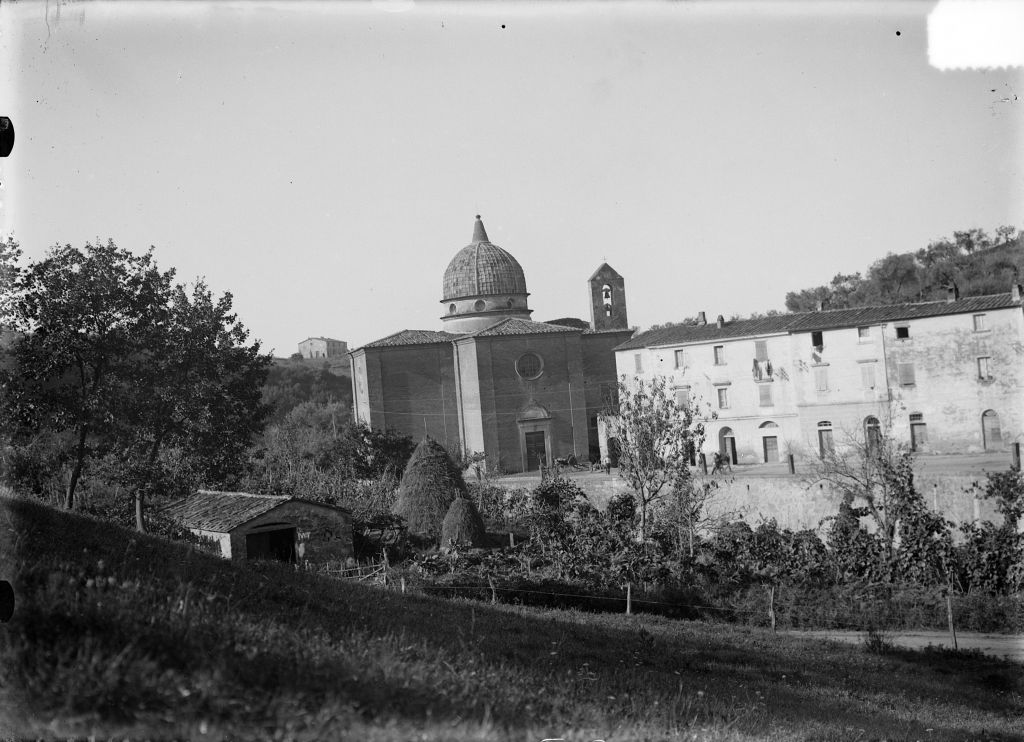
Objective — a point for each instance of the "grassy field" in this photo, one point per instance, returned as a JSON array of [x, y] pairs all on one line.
[[120, 635]]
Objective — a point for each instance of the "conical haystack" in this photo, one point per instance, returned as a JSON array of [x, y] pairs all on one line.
[[429, 486], [463, 525]]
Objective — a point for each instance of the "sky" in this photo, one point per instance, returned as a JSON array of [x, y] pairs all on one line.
[[323, 162]]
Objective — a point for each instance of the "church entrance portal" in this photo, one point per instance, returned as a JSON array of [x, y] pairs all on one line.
[[536, 450]]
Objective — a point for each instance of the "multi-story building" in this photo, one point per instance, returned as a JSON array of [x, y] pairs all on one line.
[[323, 348], [943, 376]]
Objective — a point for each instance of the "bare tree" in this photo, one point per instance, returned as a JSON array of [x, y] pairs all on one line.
[[656, 438]]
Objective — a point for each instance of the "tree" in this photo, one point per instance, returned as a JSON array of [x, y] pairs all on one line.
[[196, 388], [10, 272], [82, 312], [875, 468], [656, 438], [133, 368]]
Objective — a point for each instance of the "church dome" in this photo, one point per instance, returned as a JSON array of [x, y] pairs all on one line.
[[482, 269]]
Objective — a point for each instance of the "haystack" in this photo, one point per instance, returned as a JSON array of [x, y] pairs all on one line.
[[463, 525], [429, 486]]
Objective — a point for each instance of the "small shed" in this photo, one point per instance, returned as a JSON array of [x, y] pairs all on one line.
[[250, 526]]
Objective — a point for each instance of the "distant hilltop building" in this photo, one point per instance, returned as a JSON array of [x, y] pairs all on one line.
[[322, 348], [493, 380]]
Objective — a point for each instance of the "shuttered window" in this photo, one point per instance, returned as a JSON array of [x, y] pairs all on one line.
[[906, 373], [764, 395], [821, 378], [867, 376]]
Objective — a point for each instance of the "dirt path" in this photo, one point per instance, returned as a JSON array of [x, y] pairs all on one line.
[[1010, 646]]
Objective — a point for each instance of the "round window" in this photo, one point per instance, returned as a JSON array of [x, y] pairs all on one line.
[[529, 366], [451, 309], [479, 305]]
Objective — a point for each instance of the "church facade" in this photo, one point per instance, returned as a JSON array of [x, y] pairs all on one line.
[[492, 380]]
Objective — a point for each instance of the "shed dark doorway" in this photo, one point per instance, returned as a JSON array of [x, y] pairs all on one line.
[[277, 544], [614, 451]]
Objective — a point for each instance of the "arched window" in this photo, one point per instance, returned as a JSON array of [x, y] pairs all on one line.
[[606, 298], [769, 441], [727, 445], [991, 435], [826, 445], [872, 434], [451, 309]]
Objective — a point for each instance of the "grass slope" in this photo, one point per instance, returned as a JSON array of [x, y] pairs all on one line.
[[117, 634]]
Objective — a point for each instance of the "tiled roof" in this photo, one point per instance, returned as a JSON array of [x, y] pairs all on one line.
[[413, 337], [482, 269], [579, 324], [221, 511], [516, 326], [808, 321]]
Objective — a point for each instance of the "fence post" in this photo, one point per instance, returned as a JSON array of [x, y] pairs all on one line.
[[771, 605], [703, 463], [949, 614], [792, 464], [403, 586], [629, 599], [1016, 455], [494, 593], [511, 539]]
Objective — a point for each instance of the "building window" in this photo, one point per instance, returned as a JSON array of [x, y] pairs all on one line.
[[606, 298], [918, 432], [479, 305], [451, 309], [863, 334], [825, 443], [760, 350], [719, 355], [723, 399], [985, 368], [903, 332], [979, 322], [818, 340], [867, 376], [683, 396], [638, 363], [906, 374], [680, 360], [872, 434], [764, 395], [821, 378], [529, 366]]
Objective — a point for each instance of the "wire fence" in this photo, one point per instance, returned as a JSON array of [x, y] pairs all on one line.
[[767, 605]]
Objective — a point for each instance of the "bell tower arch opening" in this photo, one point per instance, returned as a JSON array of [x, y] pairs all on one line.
[[607, 299]]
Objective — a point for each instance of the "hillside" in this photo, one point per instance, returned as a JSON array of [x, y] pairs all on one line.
[[121, 634], [292, 381], [976, 263]]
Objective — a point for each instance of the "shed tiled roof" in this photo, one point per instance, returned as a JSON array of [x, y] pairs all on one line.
[[482, 269], [221, 512], [579, 324], [809, 321], [413, 337], [516, 326]]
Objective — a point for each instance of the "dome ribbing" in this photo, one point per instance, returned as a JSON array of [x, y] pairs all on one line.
[[482, 269]]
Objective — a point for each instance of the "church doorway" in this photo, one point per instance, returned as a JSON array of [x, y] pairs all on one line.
[[536, 449]]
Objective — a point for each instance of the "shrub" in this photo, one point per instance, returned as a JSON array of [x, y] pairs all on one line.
[[463, 525], [429, 486]]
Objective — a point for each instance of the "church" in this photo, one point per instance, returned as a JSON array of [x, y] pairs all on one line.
[[492, 380]]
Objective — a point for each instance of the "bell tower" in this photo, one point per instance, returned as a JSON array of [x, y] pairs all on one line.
[[607, 299]]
